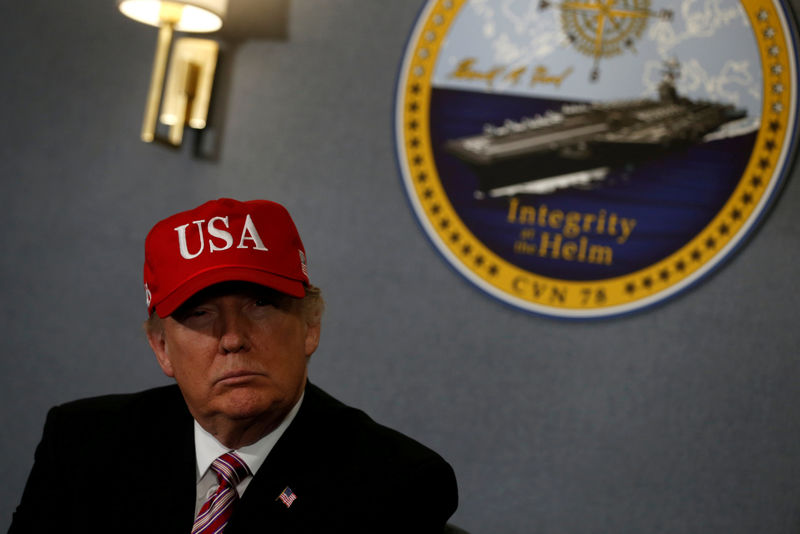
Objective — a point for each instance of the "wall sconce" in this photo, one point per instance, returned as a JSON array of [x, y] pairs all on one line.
[[191, 71]]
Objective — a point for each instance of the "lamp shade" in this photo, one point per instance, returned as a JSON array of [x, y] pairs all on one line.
[[187, 15]]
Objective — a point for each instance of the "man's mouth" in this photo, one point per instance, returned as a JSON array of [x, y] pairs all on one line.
[[234, 377]]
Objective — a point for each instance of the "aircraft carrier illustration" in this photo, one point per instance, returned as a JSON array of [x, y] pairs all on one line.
[[582, 142]]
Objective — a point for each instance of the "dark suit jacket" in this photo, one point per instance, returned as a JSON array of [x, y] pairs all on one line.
[[125, 463]]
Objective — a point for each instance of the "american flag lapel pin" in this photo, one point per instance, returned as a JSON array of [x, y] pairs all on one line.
[[287, 496]]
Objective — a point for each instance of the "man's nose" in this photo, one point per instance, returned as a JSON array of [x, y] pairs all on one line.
[[233, 336]]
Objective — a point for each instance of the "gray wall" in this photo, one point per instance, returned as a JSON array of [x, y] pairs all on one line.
[[681, 418]]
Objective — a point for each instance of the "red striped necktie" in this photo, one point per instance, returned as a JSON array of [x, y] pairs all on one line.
[[216, 511]]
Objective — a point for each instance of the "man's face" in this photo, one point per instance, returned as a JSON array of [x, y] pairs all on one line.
[[238, 353]]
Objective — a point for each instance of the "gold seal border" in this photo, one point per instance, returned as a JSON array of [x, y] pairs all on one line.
[[596, 298]]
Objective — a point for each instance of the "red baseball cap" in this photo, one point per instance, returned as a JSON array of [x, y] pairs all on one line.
[[221, 241]]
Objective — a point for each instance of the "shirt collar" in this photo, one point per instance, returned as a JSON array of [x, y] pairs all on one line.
[[207, 448]]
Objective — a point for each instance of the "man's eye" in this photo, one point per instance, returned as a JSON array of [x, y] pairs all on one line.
[[188, 314], [264, 302]]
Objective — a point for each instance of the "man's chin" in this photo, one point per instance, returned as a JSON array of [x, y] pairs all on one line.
[[243, 403]]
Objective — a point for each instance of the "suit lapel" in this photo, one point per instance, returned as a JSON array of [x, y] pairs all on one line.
[[290, 464], [170, 458]]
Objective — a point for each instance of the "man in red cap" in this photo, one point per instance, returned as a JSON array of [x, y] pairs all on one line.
[[243, 442]]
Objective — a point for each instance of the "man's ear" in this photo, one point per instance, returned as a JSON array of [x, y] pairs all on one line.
[[312, 338], [159, 345]]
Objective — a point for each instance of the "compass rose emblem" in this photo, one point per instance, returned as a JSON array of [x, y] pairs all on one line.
[[604, 28]]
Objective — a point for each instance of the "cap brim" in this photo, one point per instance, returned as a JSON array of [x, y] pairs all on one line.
[[204, 279]]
